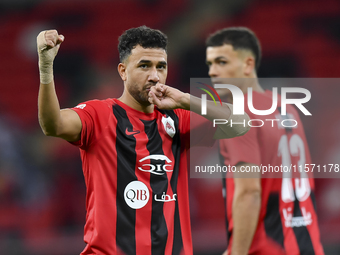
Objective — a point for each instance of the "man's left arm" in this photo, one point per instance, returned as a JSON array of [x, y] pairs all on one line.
[[245, 208], [166, 97]]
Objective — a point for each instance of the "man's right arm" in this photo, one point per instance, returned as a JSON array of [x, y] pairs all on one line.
[[65, 123], [245, 209]]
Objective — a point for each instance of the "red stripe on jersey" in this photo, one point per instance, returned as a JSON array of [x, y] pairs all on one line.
[[99, 199], [313, 228], [113, 225], [183, 206], [289, 241], [143, 215], [168, 208], [169, 211]]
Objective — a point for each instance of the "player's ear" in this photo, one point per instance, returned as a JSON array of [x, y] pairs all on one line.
[[249, 65], [122, 71]]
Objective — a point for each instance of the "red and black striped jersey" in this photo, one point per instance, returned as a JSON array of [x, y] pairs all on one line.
[[135, 169], [288, 221]]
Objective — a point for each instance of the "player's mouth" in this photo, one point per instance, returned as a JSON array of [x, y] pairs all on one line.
[[148, 87]]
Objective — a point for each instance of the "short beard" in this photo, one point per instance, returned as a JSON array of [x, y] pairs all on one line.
[[141, 96]]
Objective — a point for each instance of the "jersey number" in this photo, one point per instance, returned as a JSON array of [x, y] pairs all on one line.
[[293, 147]]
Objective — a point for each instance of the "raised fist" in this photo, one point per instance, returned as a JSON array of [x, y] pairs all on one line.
[[48, 44]]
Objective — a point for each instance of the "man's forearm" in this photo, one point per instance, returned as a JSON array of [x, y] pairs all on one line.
[[213, 111], [223, 112], [246, 209], [48, 109]]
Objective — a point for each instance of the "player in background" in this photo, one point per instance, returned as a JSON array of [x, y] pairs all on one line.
[[133, 148], [263, 215]]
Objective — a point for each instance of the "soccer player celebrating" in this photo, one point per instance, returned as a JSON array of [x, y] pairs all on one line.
[[263, 215], [133, 148]]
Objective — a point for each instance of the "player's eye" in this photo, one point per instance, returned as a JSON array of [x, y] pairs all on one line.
[[222, 62], [162, 67], [143, 66]]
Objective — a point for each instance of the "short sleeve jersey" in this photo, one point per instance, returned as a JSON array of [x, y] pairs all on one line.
[[287, 222], [135, 169]]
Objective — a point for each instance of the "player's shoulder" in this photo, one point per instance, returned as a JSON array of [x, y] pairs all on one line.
[[95, 107], [181, 112], [96, 103], [182, 115]]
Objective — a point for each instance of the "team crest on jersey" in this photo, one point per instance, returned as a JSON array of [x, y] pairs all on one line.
[[169, 126], [80, 106]]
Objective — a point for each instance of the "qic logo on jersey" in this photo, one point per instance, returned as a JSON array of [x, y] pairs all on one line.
[[136, 194], [158, 169], [169, 126]]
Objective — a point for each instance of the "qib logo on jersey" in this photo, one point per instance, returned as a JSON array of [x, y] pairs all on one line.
[[158, 169], [136, 194]]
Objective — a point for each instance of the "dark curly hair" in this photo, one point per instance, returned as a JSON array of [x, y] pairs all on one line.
[[241, 38], [143, 36]]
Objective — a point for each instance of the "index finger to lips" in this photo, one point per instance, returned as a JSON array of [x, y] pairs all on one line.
[[161, 87], [150, 97], [156, 90], [153, 89]]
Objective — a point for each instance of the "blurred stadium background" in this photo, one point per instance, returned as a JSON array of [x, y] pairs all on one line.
[[42, 190]]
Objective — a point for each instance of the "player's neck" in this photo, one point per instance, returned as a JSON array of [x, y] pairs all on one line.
[[250, 83]]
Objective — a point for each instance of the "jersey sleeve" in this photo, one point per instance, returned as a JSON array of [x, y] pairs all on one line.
[[93, 116], [241, 149], [195, 129]]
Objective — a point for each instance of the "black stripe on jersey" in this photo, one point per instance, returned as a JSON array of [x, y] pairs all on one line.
[[126, 162], [176, 151], [178, 242], [224, 190], [159, 184], [302, 236], [272, 220], [224, 193], [312, 196]]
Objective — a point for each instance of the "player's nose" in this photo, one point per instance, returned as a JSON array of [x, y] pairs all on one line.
[[154, 76], [212, 71]]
